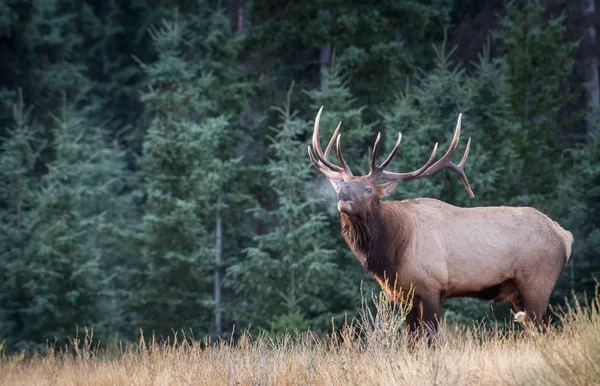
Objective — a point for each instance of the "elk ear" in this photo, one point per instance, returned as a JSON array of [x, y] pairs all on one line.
[[388, 188]]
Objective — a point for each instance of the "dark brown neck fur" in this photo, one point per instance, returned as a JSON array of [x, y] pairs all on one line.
[[370, 239]]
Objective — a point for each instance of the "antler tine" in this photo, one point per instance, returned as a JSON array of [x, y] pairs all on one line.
[[338, 150], [332, 140], [455, 138], [391, 176], [446, 160], [463, 160], [320, 167], [317, 146], [461, 171], [392, 154], [379, 172], [374, 155]]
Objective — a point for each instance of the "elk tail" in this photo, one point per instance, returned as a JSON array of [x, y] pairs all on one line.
[[567, 239], [568, 242]]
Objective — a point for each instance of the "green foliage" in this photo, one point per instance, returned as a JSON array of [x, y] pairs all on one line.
[[175, 257], [19, 154], [377, 45], [56, 253], [109, 203], [577, 207], [494, 128], [188, 161], [539, 64], [338, 101], [286, 270], [431, 111]]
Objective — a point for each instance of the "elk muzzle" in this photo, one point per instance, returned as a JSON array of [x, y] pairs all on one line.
[[345, 199]]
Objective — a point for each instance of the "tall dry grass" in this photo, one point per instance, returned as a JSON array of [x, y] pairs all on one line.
[[369, 351]]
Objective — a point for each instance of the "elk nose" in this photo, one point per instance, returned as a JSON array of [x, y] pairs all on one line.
[[343, 193]]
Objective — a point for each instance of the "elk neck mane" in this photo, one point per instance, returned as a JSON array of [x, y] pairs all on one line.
[[369, 238]]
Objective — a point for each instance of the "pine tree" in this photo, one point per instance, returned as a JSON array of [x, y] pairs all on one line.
[[78, 199], [187, 163], [577, 206], [19, 156], [378, 45], [493, 127], [283, 276], [60, 253], [228, 196], [539, 64], [42, 51]]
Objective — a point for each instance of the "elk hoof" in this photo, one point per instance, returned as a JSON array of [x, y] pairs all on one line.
[[520, 317]]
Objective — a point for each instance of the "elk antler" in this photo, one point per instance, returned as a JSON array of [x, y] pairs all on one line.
[[332, 171], [378, 172], [321, 163]]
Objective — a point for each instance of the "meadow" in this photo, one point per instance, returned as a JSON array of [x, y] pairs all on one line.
[[369, 350]]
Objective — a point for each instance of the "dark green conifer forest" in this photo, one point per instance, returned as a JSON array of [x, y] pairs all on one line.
[[153, 164]]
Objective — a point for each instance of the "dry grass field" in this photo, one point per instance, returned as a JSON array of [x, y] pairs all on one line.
[[369, 351]]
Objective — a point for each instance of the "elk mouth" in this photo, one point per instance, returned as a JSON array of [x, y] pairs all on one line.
[[345, 206]]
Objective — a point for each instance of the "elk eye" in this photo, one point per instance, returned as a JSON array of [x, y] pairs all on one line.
[[369, 190]]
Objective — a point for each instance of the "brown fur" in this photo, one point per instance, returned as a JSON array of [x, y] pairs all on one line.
[[440, 251], [493, 253]]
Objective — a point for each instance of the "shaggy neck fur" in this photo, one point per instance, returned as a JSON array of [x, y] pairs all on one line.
[[369, 239]]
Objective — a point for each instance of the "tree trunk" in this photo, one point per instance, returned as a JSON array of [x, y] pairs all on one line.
[[242, 19], [218, 251], [324, 60], [590, 62], [324, 56]]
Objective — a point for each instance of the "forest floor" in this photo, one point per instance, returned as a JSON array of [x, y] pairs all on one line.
[[372, 350]]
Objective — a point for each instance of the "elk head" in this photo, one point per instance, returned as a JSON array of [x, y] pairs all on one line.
[[361, 194]]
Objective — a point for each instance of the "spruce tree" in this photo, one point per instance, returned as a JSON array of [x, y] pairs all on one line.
[[539, 64], [283, 277], [493, 127], [227, 197], [576, 206], [59, 254], [188, 162], [79, 198], [19, 155], [378, 45]]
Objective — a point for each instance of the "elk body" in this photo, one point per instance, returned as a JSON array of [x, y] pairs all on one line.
[[438, 250]]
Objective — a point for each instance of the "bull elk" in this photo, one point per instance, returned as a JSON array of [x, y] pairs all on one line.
[[439, 250]]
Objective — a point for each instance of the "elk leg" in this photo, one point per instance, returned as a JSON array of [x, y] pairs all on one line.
[[534, 310], [517, 303], [412, 318], [535, 301], [423, 318], [431, 312]]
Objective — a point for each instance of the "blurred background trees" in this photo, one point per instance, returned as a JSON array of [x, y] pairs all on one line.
[[153, 166]]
